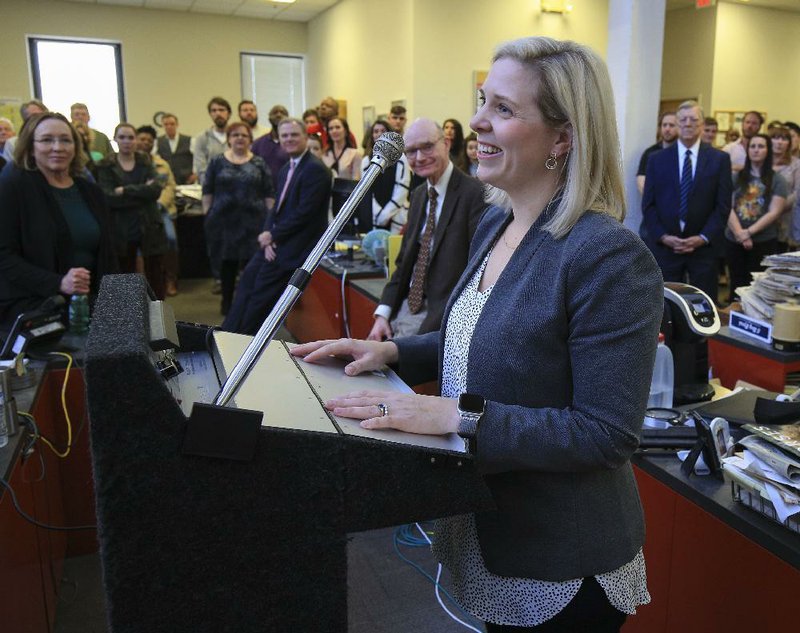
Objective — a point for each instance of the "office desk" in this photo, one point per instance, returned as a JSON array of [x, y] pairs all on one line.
[[320, 311], [733, 357], [712, 564]]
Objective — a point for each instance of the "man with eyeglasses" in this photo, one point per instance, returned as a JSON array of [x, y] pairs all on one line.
[[442, 219], [686, 203]]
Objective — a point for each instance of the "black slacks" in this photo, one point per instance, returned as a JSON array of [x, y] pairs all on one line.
[[260, 286]]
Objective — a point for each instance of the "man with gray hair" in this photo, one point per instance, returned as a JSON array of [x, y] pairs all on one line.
[[686, 203], [26, 111], [442, 219]]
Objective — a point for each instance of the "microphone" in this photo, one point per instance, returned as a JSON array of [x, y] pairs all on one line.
[[387, 151]]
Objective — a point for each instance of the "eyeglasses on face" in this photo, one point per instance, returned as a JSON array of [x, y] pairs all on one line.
[[426, 149], [50, 141]]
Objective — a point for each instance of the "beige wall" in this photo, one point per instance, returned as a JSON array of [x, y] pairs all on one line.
[[757, 61], [359, 51], [374, 51], [172, 61], [688, 66], [453, 39], [734, 57]]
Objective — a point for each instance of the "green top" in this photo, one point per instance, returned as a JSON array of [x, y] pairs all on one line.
[[83, 226]]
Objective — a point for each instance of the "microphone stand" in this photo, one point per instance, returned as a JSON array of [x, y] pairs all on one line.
[[388, 149]]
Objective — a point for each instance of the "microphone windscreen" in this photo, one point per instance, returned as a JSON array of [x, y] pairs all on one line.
[[390, 147]]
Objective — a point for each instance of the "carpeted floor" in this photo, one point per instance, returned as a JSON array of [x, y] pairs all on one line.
[[385, 594]]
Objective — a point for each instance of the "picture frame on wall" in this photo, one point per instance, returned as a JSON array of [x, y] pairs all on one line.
[[478, 79], [368, 117]]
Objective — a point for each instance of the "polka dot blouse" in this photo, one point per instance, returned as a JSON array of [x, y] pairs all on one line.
[[499, 599]]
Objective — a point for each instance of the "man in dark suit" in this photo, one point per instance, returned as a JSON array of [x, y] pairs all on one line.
[[291, 231], [442, 219], [686, 203], [176, 149]]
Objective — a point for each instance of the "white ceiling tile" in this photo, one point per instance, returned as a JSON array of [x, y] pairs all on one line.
[[123, 3], [172, 5]]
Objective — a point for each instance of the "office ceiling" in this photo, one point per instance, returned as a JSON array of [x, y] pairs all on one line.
[[300, 11], [305, 10], [783, 5]]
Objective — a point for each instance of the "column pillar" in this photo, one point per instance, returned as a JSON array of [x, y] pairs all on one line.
[[634, 56]]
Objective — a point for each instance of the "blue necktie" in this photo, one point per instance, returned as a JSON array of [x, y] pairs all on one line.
[[686, 186]]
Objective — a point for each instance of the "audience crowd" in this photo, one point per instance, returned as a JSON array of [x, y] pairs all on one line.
[[708, 210], [703, 207]]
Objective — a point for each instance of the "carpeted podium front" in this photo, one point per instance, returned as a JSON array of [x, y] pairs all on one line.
[[201, 544]]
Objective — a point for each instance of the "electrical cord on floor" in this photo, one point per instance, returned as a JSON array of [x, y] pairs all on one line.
[[30, 519], [404, 535]]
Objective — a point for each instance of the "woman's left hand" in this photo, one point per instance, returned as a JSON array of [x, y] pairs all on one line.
[[413, 413]]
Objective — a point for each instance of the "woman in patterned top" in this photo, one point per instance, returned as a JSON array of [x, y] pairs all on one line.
[[388, 197], [759, 196], [545, 356], [237, 194]]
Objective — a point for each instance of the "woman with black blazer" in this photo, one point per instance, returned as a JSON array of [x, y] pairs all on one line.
[[132, 188], [55, 235], [544, 358]]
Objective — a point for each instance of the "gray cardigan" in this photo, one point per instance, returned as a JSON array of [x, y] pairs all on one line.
[[563, 352]]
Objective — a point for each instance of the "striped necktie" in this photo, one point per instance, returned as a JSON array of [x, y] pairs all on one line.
[[686, 186]]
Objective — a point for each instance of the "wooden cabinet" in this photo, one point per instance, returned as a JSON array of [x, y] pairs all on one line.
[[53, 491], [704, 575]]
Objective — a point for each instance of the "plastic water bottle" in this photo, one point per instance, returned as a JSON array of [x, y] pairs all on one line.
[[663, 381], [78, 314]]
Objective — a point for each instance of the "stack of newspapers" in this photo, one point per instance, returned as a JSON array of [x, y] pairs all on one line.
[[766, 474], [780, 283]]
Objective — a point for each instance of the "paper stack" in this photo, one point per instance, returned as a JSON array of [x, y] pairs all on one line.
[[780, 283], [769, 469]]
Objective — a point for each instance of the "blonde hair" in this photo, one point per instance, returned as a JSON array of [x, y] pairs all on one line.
[[574, 90]]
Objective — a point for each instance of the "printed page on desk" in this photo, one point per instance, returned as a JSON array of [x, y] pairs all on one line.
[[329, 380]]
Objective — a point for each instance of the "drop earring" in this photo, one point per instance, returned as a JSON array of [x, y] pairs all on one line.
[[551, 163]]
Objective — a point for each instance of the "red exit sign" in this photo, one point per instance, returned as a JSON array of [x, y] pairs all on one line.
[[704, 4]]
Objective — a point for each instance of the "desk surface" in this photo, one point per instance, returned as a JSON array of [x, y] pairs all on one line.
[[714, 496], [371, 288], [71, 343], [726, 335]]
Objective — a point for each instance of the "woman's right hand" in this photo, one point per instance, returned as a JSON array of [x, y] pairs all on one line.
[[77, 281], [367, 355]]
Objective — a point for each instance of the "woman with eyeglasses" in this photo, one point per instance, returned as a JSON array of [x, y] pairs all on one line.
[[759, 195], [132, 187], [55, 232], [237, 194]]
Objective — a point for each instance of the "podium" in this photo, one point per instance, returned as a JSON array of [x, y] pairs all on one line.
[[191, 543]]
